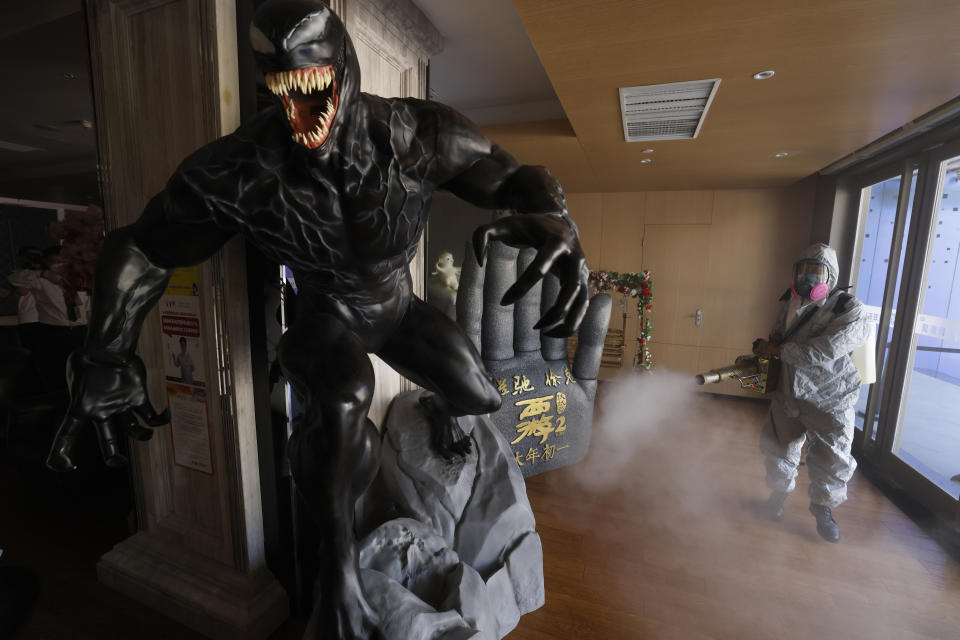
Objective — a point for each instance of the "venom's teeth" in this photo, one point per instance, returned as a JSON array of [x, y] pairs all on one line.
[[306, 80]]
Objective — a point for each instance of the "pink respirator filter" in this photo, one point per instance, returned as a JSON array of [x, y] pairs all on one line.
[[819, 291]]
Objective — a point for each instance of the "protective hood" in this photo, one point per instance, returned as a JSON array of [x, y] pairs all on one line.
[[310, 64], [826, 255]]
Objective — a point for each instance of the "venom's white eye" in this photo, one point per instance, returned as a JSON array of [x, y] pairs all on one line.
[[260, 42]]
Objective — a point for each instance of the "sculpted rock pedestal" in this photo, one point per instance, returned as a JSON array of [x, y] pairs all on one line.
[[449, 548]]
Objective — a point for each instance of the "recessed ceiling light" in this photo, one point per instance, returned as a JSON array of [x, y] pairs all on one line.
[[781, 154], [647, 151], [763, 75], [646, 161]]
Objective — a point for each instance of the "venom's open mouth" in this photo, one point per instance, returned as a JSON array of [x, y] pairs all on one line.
[[310, 101]]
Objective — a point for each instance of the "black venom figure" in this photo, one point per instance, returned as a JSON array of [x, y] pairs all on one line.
[[336, 184]]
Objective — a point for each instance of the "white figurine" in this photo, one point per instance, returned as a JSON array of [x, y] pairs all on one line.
[[448, 274], [443, 284]]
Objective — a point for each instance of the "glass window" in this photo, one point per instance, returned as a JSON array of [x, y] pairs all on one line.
[[880, 201], [929, 435]]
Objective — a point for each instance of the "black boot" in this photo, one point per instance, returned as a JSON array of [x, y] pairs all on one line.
[[774, 507], [826, 525]]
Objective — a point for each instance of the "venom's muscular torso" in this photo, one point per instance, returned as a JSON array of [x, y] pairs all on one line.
[[349, 225]]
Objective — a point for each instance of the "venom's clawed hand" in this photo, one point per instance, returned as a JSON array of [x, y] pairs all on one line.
[[555, 238], [107, 390]]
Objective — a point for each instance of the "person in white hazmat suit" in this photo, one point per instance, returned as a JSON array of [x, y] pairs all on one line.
[[817, 328]]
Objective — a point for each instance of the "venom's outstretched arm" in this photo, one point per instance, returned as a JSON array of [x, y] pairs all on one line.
[[107, 380], [486, 175]]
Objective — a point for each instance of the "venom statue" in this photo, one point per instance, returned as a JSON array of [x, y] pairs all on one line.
[[337, 185]]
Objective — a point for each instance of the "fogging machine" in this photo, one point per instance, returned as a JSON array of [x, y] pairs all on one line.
[[757, 373]]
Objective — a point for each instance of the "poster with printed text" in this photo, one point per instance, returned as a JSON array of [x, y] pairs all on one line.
[[180, 322], [190, 428]]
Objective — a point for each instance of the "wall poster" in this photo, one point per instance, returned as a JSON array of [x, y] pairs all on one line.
[[185, 371]]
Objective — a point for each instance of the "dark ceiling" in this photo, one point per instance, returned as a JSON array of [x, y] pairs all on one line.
[[46, 115]]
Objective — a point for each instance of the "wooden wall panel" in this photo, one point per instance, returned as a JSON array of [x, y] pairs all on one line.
[[676, 254], [737, 302], [726, 252], [624, 216], [756, 236], [679, 207], [623, 229], [680, 358], [586, 209]]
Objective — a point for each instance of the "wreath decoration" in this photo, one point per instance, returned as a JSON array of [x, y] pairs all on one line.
[[634, 285]]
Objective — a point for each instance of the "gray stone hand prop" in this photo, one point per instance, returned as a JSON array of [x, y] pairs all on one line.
[[547, 411], [557, 250]]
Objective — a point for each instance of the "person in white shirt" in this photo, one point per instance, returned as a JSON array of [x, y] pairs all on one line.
[[59, 329], [185, 361], [31, 265]]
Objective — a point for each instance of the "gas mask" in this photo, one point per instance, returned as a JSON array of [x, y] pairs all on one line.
[[810, 279]]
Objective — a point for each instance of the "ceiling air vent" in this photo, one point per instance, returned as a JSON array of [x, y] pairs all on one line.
[[672, 111]]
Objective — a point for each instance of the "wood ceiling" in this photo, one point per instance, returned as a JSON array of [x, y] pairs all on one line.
[[847, 72]]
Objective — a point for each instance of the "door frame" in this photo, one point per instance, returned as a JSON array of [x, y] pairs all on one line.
[[878, 447]]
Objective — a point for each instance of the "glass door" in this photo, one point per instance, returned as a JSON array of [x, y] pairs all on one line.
[[907, 272], [927, 433], [886, 206]]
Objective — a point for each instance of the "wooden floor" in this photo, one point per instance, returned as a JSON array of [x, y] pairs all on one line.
[[676, 548], [663, 543]]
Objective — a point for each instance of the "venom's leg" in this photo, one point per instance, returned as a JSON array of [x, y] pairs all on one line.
[[433, 351], [334, 455]]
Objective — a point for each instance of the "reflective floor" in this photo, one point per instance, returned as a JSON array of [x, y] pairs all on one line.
[[676, 548], [668, 543]]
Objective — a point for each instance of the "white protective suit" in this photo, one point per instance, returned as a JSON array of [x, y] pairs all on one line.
[[819, 386]]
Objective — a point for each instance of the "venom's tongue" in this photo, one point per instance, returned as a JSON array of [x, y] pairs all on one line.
[[310, 101], [311, 114], [306, 112]]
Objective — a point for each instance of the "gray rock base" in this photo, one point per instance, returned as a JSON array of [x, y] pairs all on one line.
[[449, 549]]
